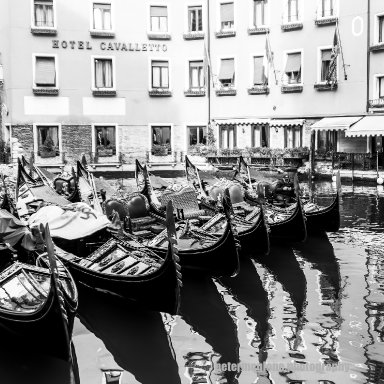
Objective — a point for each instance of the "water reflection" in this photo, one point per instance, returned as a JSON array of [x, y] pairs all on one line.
[[136, 338]]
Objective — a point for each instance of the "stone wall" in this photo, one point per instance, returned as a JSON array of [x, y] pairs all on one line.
[[22, 141]]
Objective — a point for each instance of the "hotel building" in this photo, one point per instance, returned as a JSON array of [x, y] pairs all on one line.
[[118, 80]]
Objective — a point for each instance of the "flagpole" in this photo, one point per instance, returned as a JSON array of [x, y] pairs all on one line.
[[270, 54], [341, 50], [209, 69]]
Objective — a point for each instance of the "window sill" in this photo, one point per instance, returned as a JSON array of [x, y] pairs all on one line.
[[222, 34], [286, 27], [259, 90], [158, 36], [377, 47], [258, 30], [194, 35], [45, 91], [226, 92], [376, 103], [195, 92], [96, 33], [321, 87], [104, 92], [326, 20], [297, 88], [160, 93], [44, 31]]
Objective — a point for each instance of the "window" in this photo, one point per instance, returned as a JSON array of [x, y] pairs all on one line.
[[195, 19], [228, 137], [259, 71], [259, 12], [196, 74], [326, 58], [47, 141], [293, 11], [381, 29], [103, 73], [161, 140], [327, 140], [293, 68], [227, 16], [105, 139], [102, 19], [380, 81], [197, 135], [327, 8], [43, 14], [260, 135], [293, 136], [160, 74], [159, 19], [227, 72], [45, 71]]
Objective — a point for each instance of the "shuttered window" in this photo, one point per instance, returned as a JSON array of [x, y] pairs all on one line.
[[159, 19], [327, 8], [381, 87], [293, 10], [102, 17], [381, 28], [259, 75], [43, 13], [228, 137], [259, 9], [227, 72], [325, 63], [195, 19], [227, 15], [45, 72], [293, 68], [160, 74]]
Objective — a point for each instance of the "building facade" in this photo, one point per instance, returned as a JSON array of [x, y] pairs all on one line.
[[157, 79]]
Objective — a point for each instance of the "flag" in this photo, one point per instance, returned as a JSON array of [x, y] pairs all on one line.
[[332, 70], [269, 56], [208, 68]]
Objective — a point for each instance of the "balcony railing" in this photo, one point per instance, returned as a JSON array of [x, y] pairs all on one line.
[[377, 103], [195, 92], [354, 161], [229, 90]]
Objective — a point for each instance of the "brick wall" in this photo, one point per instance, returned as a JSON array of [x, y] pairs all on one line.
[[76, 140], [22, 143]]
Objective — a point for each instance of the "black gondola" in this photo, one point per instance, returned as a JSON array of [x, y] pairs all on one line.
[[38, 305], [127, 269]]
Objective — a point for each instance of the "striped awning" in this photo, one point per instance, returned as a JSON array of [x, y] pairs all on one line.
[[286, 122], [336, 123], [242, 121], [368, 126]]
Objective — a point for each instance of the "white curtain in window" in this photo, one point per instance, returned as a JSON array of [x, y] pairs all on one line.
[[259, 12], [195, 77], [297, 137], [107, 19], [381, 87], [108, 74], [39, 15], [256, 135], [97, 18], [327, 8], [103, 74], [156, 77], [231, 138], [164, 77], [224, 138], [163, 24], [49, 15]]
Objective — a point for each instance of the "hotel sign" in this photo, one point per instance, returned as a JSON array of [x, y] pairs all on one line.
[[109, 46]]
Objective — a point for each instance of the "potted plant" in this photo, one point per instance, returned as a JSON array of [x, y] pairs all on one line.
[[105, 150], [161, 149], [48, 148]]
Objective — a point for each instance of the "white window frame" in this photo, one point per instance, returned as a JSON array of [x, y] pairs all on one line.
[[98, 57], [94, 126], [91, 21], [218, 13], [192, 125], [285, 58], [33, 26], [252, 69], [376, 78], [151, 125], [36, 139], [267, 15], [227, 57], [48, 55], [150, 60], [377, 27], [194, 3], [158, 4], [320, 10], [300, 10], [186, 76], [319, 62]]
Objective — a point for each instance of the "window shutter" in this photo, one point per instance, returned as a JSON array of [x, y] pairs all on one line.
[[227, 69], [45, 71], [259, 76], [159, 11], [326, 55], [227, 12], [293, 63]]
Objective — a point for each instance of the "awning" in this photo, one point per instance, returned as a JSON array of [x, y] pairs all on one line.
[[242, 121], [159, 11], [293, 62], [335, 123], [368, 126], [227, 69], [227, 12], [286, 122]]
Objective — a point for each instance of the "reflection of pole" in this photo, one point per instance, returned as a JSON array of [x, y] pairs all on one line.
[[209, 66], [377, 163]]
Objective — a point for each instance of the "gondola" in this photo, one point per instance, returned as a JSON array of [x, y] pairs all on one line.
[[125, 268], [38, 304], [199, 250], [318, 219]]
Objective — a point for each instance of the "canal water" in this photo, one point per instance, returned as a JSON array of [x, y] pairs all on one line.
[[311, 313]]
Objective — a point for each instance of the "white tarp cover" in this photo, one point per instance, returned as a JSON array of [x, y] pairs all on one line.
[[71, 222], [335, 123], [368, 126]]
